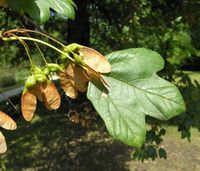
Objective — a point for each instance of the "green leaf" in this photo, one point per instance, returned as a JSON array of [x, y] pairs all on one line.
[[122, 120], [39, 10], [135, 91], [162, 153], [64, 7]]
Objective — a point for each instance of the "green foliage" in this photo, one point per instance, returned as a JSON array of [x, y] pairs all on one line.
[[151, 147], [8, 56], [162, 26], [179, 42], [7, 77], [135, 91], [39, 10], [188, 83], [165, 26]]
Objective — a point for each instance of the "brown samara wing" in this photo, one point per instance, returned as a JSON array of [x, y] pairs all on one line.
[[51, 96], [3, 145], [28, 105], [95, 60], [7, 122], [73, 79]]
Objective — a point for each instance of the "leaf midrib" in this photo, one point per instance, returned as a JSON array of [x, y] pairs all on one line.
[[126, 83], [122, 112]]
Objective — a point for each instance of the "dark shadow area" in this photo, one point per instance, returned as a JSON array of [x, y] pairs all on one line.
[[71, 138], [190, 88], [191, 64], [75, 138]]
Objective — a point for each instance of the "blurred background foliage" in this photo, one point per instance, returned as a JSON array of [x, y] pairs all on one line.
[[166, 26]]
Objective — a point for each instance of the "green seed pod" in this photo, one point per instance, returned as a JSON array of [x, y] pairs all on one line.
[[40, 78], [45, 71], [63, 65], [35, 70], [69, 50], [60, 68], [78, 59], [54, 67], [30, 82], [64, 57], [73, 47]]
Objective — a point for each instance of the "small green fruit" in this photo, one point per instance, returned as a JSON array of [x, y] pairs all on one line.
[[30, 82], [78, 59], [40, 78], [35, 70], [45, 71], [54, 67]]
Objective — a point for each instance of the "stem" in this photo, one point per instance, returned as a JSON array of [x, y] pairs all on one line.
[[84, 66], [25, 47], [37, 32], [6, 98], [39, 41], [38, 48], [27, 51], [23, 30]]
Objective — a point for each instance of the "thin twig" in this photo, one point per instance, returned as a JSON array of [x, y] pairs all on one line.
[[37, 32], [25, 46], [6, 98]]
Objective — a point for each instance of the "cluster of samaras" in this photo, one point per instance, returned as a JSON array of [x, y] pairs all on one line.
[[74, 75]]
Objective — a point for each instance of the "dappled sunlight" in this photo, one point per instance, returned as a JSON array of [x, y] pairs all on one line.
[[52, 142]]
